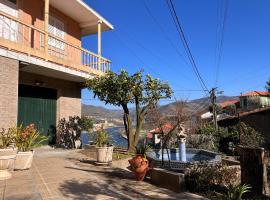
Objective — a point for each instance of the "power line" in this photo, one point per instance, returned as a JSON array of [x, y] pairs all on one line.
[[185, 43], [220, 41], [164, 32]]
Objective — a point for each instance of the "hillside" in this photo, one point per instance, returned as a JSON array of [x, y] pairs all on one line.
[[100, 112], [193, 106]]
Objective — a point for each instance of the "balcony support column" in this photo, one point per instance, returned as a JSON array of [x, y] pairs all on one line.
[[99, 44], [46, 26]]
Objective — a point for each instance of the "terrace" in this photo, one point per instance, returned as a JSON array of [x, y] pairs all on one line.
[[20, 37]]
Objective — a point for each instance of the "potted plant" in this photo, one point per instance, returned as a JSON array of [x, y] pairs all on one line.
[[103, 149], [26, 138], [139, 164], [7, 153]]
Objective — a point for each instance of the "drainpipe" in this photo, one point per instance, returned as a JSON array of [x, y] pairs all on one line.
[[46, 25], [99, 44]]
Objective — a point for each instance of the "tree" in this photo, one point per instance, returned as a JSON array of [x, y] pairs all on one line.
[[267, 86], [123, 90], [175, 122]]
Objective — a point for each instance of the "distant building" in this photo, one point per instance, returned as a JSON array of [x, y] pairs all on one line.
[[254, 99], [230, 107]]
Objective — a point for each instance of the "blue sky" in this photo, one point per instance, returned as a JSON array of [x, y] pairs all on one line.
[[137, 42]]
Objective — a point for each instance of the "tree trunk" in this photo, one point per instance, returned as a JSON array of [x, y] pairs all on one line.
[[128, 128]]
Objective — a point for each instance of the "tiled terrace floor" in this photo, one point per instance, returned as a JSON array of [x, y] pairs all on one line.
[[60, 175]]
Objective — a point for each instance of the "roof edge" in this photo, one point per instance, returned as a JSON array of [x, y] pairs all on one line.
[[95, 13]]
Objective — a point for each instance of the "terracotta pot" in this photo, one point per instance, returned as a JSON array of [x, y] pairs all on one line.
[[139, 166], [104, 154], [7, 158], [24, 160]]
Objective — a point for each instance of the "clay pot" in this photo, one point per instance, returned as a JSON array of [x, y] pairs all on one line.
[[139, 166]]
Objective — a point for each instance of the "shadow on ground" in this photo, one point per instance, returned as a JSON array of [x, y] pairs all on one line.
[[115, 184]]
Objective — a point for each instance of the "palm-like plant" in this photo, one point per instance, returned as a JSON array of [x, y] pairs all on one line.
[[236, 192], [142, 149], [102, 139]]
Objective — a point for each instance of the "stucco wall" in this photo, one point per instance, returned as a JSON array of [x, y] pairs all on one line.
[[32, 12], [68, 93], [8, 92]]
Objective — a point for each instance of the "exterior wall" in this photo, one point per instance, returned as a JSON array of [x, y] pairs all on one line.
[[32, 12], [259, 121], [254, 102], [8, 92], [68, 93]]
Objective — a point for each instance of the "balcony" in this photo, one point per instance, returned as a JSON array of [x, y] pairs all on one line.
[[20, 37]]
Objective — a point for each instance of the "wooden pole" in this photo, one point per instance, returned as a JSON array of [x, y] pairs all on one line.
[[99, 44], [46, 26]]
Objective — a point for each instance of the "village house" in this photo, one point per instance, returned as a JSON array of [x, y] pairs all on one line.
[[254, 99], [42, 63]]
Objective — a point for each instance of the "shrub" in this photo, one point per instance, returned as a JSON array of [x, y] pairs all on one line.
[[201, 141], [6, 138], [87, 124], [68, 131], [204, 178], [26, 138]]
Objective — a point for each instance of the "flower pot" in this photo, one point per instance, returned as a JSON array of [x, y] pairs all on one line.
[[7, 158], [24, 160], [104, 154], [139, 166]]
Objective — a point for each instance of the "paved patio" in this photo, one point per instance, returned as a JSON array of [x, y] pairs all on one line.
[[57, 174]]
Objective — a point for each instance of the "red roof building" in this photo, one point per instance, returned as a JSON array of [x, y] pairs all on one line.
[[256, 93]]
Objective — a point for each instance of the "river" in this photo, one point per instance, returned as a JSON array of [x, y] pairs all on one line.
[[115, 137]]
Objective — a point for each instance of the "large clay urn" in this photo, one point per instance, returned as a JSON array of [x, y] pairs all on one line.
[[139, 166]]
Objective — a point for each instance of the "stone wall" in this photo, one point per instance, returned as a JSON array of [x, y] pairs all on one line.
[[8, 92]]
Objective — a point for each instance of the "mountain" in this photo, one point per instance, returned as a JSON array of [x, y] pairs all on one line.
[[100, 112], [196, 105]]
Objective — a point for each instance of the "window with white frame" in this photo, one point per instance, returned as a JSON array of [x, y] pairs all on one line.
[[56, 28]]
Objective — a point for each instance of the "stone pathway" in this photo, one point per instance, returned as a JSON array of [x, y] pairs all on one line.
[[68, 175]]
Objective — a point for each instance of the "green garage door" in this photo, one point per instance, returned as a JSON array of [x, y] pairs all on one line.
[[37, 105]]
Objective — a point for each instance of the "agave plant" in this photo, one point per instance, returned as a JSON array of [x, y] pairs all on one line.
[[142, 149], [236, 192]]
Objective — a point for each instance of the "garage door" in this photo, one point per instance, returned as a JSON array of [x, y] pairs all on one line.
[[37, 105]]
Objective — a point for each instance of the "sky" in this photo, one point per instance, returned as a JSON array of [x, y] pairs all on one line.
[[148, 40]]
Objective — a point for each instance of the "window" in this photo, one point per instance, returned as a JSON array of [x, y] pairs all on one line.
[[56, 28]]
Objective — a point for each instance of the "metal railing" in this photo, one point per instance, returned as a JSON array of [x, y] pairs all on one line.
[[22, 37]]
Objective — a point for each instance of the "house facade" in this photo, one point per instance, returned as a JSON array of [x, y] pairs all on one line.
[[253, 100], [42, 63]]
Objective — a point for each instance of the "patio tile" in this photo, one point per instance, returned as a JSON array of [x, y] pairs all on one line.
[[63, 178]]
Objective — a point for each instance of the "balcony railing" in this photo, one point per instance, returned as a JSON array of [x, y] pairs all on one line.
[[24, 38]]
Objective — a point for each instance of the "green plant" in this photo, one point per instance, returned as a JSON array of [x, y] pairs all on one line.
[[87, 124], [6, 138], [102, 137], [122, 89], [68, 131], [207, 178], [142, 149], [26, 138], [236, 192]]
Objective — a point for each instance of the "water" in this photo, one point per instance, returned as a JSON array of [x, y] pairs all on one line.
[[115, 137], [190, 156]]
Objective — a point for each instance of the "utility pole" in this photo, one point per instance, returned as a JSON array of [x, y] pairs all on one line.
[[213, 99]]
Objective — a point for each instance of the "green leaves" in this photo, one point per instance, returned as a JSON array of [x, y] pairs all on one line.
[[122, 88], [236, 192]]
